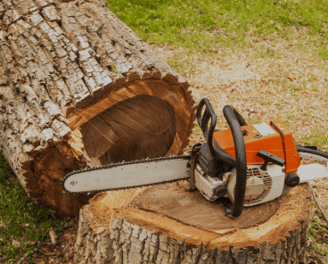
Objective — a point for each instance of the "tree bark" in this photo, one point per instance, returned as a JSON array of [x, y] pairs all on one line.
[[79, 89], [168, 224]]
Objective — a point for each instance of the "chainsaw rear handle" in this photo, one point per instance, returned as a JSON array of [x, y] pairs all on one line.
[[203, 120], [235, 120]]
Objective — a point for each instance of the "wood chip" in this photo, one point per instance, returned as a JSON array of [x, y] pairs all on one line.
[[52, 235], [15, 243]]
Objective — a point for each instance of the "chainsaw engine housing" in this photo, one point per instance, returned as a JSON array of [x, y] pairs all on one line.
[[215, 179], [261, 186], [274, 138]]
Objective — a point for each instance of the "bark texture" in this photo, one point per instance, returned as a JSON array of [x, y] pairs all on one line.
[[113, 230], [78, 89]]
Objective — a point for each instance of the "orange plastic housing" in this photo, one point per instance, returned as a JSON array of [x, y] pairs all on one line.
[[280, 144]]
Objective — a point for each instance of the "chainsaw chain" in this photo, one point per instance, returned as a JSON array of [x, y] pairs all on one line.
[[118, 164]]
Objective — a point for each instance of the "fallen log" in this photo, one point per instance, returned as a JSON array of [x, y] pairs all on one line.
[[79, 89], [168, 224]]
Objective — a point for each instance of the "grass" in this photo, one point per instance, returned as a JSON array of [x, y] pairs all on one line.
[[318, 138], [199, 27], [20, 220], [202, 25], [318, 233]]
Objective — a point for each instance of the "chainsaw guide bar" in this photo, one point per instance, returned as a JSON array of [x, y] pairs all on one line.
[[179, 172]]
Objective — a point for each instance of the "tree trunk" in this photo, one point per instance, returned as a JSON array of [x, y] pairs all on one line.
[[168, 224], [79, 89]]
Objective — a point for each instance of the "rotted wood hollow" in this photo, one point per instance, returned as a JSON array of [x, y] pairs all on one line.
[[168, 224], [79, 89]]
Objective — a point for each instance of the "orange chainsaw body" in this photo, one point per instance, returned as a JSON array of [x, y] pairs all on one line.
[[280, 144]]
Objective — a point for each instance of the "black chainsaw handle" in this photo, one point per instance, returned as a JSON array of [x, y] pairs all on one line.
[[241, 161], [203, 121], [235, 121]]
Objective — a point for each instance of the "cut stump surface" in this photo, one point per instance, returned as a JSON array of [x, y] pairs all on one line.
[[168, 224]]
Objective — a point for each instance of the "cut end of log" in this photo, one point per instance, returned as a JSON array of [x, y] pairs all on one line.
[[79, 89], [144, 118]]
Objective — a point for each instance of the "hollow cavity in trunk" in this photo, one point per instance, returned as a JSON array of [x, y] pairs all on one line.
[[137, 127]]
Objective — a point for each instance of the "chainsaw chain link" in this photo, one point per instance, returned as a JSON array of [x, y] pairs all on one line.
[[118, 164]]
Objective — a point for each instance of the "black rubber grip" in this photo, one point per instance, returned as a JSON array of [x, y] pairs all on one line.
[[203, 121], [241, 160], [240, 119]]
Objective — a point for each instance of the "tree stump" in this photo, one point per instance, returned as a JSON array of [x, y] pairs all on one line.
[[168, 224], [79, 89]]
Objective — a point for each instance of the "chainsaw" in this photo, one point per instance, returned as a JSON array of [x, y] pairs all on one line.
[[249, 164]]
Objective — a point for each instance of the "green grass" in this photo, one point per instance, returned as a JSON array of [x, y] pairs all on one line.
[[317, 138], [318, 233], [250, 120], [20, 219], [200, 24]]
